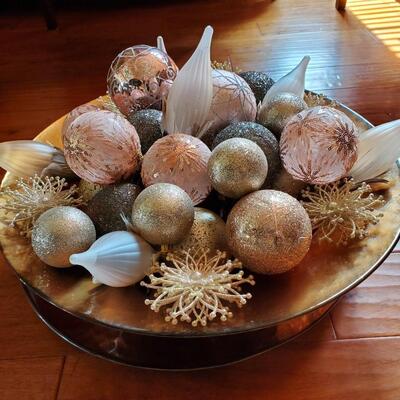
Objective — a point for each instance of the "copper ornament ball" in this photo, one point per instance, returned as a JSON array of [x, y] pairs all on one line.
[[276, 114], [140, 77], [236, 167], [269, 231], [60, 232], [208, 231], [163, 214], [319, 145]]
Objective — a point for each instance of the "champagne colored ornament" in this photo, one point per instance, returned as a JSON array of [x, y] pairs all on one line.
[[76, 112], [293, 82], [140, 77], [148, 126], [60, 232], [269, 231], [189, 99], [87, 190], [195, 286], [232, 101], [106, 207], [278, 111], [319, 145], [207, 232], [236, 167], [378, 149], [102, 147], [24, 158], [117, 259], [181, 160], [32, 197], [259, 135], [163, 214], [259, 83]]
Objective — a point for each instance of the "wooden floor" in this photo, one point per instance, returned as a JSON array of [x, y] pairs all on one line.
[[352, 354]]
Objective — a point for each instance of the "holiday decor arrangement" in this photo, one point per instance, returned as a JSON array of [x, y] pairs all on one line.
[[182, 183]]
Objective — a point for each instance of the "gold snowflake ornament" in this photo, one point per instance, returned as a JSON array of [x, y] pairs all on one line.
[[342, 211], [194, 286], [32, 197]]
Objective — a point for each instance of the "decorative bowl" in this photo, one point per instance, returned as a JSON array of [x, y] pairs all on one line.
[[115, 324]]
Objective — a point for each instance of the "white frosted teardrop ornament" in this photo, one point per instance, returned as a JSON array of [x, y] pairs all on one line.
[[292, 83], [378, 150], [117, 259], [160, 44], [25, 158], [189, 98]]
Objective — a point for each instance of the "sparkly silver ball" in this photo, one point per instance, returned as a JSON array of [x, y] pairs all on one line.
[[279, 110], [60, 232], [259, 83], [259, 135], [148, 126]]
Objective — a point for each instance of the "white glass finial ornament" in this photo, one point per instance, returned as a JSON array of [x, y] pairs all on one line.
[[117, 259], [189, 98], [292, 83], [160, 44], [378, 149], [25, 158]]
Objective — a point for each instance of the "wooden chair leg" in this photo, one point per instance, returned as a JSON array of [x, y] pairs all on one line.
[[341, 5]]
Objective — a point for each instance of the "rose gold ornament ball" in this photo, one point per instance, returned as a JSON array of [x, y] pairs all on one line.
[[181, 160], [269, 231], [102, 147], [76, 112], [140, 77], [236, 167], [319, 145], [163, 214]]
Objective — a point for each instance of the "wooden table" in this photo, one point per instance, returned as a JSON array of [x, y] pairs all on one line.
[[352, 354]]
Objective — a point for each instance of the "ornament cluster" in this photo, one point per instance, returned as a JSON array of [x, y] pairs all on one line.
[[184, 179]]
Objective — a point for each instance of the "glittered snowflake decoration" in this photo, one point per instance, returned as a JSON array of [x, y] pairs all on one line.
[[342, 211], [225, 65], [317, 99], [194, 286], [32, 197]]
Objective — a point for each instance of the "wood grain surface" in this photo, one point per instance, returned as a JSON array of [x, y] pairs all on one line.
[[355, 57]]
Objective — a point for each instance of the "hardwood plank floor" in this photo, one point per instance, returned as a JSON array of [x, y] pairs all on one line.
[[355, 58]]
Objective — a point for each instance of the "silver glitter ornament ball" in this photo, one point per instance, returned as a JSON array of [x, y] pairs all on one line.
[[259, 83], [259, 135], [106, 207], [278, 111], [60, 232], [148, 126]]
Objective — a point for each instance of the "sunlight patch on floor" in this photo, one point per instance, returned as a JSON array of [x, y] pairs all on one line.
[[382, 18]]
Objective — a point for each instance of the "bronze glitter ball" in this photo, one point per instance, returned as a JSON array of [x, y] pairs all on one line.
[[148, 126], [106, 207], [88, 189], [276, 114], [60, 232], [259, 83], [163, 214], [259, 135], [236, 167], [208, 231], [269, 231]]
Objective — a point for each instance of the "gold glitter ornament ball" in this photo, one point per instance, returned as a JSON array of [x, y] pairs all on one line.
[[236, 167], [163, 214], [269, 231], [60, 232], [87, 189], [276, 114], [207, 232]]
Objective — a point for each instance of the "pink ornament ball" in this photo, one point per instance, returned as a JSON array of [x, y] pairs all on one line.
[[319, 145], [76, 112], [181, 160], [102, 147]]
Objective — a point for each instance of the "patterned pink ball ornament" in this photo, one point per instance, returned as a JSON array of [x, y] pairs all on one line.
[[140, 77], [102, 147], [181, 160], [319, 145]]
